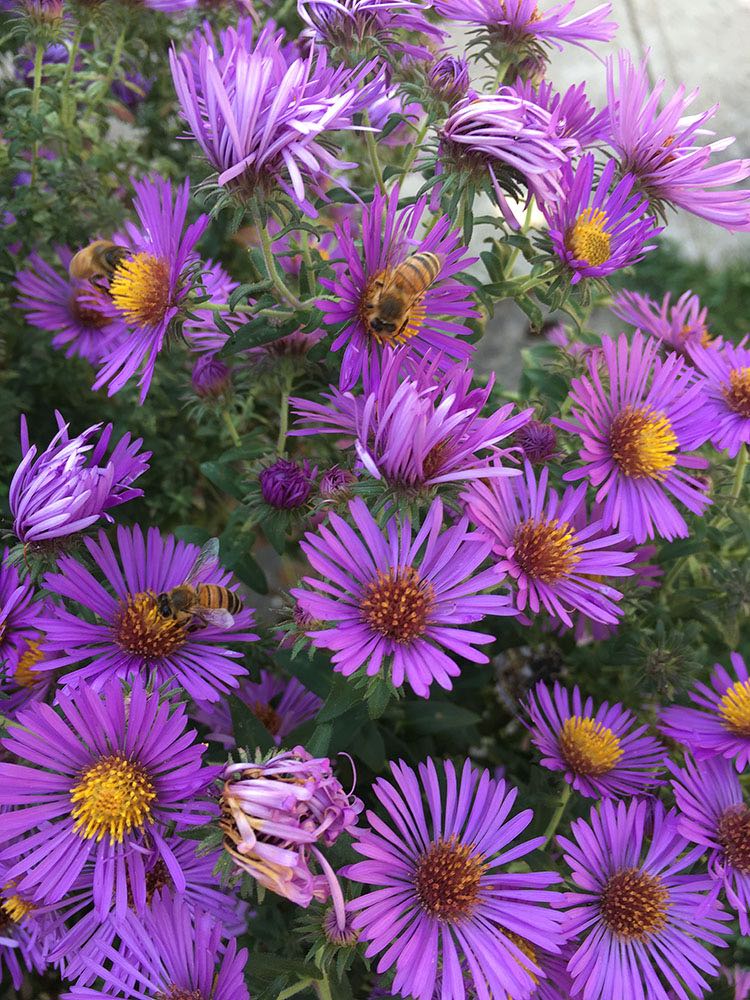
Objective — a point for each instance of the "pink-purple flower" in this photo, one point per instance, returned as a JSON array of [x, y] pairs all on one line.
[[726, 393], [19, 615], [678, 325], [357, 24]]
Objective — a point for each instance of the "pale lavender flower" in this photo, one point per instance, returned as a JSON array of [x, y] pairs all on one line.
[[678, 325]]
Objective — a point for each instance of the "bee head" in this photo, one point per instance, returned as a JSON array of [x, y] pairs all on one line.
[[163, 605]]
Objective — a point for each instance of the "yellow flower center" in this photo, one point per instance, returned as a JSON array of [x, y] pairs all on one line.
[[140, 289], [447, 880], [634, 904], [588, 747], [112, 798], [397, 604], [544, 550], [643, 443], [14, 909], [737, 391], [140, 629], [734, 708], [589, 240], [26, 676], [527, 949]]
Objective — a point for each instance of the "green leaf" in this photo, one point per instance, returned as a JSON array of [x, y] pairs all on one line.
[[222, 475], [343, 696], [249, 731], [437, 716], [320, 740]]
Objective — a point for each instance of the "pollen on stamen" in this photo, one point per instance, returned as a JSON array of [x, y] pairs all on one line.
[[447, 880], [588, 747], [25, 674], [140, 629], [634, 904], [643, 443], [397, 604], [734, 708], [141, 289], [544, 550], [112, 798], [588, 239], [737, 392], [734, 836], [14, 909]]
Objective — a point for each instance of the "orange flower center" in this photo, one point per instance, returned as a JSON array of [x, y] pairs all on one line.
[[734, 836], [634, 904], [544, 550], [447, 880], [397, 604], [737, 392], [140, 629]]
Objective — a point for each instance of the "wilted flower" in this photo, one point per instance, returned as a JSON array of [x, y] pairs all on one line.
[[726, 393], [442, 873], [641, 921], [449, 78], [678, 326], [210, 377], [537, 441], [655, 141], [399, 599], [286, 485], [638, 428], [598, 229], [602, 752], [71, 484]]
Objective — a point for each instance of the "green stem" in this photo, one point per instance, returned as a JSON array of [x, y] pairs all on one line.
[[292, 991], [67, 102], [115, 64], [221, 307], [557, 814], [524, 229], [323, 988], [739, 473], [414, 152], [281, 289], [284, 415], [372, 151], [227, 418], [36, 95]]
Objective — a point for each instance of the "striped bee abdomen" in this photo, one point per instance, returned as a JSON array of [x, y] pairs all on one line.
[[211, 595]]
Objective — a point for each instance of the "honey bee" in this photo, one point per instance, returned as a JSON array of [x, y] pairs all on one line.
[[207, 603], [396, 291], [99, 259]]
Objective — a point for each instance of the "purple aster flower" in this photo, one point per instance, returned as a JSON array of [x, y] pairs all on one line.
[[449, 78], [151, 287], [537, 537], [602, 753], [355, 24], [720, 725], [433, 321], [393, 102], [740, 979], [210, 378], [275, 813], [280, 704], [713, 813], [264, 117], [82, 318], [520, 23], [199, 328], [638, 427], [537, 441], [399, 599], [19, 616], [335, 483], [507, 140], [286, 485], [576, 117], [678, 326], [417, 426], [71, 484], [98, 782], [642, 922], [656, 141], [726, 393], [132, 89], [25, 936], [130, 637], [443, 897], [180, 956], [596, 230]]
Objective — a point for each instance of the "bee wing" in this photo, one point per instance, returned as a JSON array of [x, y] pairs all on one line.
[[219, 617], [208, 559]]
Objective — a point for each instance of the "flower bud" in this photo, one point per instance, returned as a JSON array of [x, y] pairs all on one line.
[[286, 484], [449, 78]]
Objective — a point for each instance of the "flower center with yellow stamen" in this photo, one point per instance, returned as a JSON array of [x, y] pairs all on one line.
[[268, 715], [643, 443], [737, 391], [26, 676], [634, 904], [734, 708], [112, 798], [588, 239], [14, 909], [734, 836], [140, 629], [544, 550], [588, 747], [140, 288], [447, 880], [397, 604]]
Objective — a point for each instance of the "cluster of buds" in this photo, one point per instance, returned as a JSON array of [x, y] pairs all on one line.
[[276, 815]]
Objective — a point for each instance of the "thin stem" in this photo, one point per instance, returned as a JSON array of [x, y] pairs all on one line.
[[323, 988], [226, 416], [115, 64], [372, 151], [292, 991], [557, 814], [220, 307], [281, 289], [67, 106], [414, 152], [739, 473], [284, 415], [36, 95], [525, 226]]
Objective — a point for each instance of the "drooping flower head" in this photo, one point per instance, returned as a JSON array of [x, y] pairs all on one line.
[[431, 320], [72, 483], [442, 897], [537, 537], [638, 426], [657, 142], [678, 326], [274, 814], [642, 922], [527, 29], [507, 144], [83, 320], [354, 25], [286, 484], [726, 393], [713, 813], [150, 288], [264, 116], [98, 783], [131, 637], [176, 953], [449, 78], [399, 598], [19, 616], [576, 117], [720, 725], [598, 228], [602, 752], [416, 426]]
